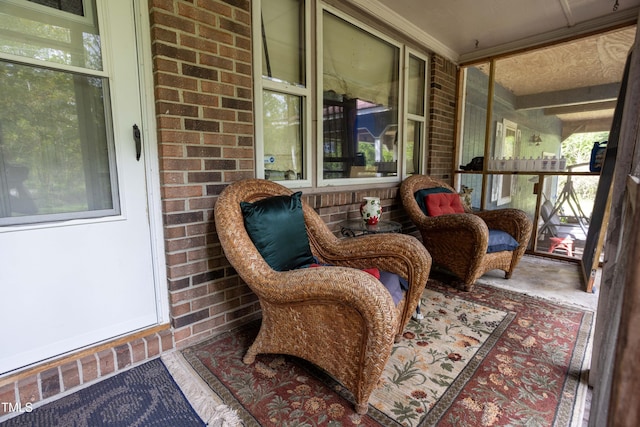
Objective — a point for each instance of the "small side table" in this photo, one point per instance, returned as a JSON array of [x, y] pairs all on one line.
[[357, 227]]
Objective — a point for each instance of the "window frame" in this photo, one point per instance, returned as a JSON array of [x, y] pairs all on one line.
[[423, 119], [264, 83], [312, 99], [321, 181], [54, 14], [104, 74]]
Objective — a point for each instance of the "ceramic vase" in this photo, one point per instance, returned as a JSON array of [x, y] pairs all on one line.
[[370, 209]]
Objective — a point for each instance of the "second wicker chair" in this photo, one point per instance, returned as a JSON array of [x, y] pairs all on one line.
[[459, 242]]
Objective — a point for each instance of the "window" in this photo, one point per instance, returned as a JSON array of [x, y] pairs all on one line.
[[371, 117], [56, 150], [283, 101], [416, 114], [360, 102]]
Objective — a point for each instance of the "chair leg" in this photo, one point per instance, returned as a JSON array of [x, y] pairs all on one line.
[[249, 356], [361, 409]]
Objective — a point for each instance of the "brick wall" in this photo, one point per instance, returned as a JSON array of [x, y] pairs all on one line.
[[442, 118], [204, 88]]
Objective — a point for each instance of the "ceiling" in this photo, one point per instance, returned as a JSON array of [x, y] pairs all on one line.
[[576, 81], [585, 73], [464, 30]]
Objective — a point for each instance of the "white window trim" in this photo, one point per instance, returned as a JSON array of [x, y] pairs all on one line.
[[262, 83], [414, 117], [54, 14]]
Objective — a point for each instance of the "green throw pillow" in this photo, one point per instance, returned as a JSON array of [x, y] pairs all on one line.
[[276, 226]]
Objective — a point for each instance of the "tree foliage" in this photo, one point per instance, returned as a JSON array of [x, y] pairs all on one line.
[[577, 150]]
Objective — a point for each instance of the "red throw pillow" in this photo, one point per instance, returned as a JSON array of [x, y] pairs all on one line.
[[443, 203]]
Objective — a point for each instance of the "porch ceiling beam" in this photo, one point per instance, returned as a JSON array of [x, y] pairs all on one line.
[[582, 126], [582, 95], [580, 108]]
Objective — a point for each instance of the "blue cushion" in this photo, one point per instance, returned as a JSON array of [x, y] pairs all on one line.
[[421, 194], [276, 226], [501, 241], [395, 284]]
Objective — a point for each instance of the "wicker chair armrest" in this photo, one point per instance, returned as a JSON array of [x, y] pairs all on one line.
[[330, 285], [513, 221], [401, 254], [390, 252]]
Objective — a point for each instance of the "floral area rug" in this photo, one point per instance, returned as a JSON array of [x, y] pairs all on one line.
[[489, 357]]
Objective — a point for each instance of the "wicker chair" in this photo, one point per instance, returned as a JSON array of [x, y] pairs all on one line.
[[338, 317], [458, 243]]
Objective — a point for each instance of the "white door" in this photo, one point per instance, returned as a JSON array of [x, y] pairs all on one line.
[[75, 242]]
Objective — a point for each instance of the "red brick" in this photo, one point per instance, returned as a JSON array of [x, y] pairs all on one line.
[[207, 301], [153, 345], [172, 21], [89, 368], [123, 356], [181, 244], [163, 4], [28, 390], [187, 269], [237, 153], [170, 66], [218, 113], [178, 137], [188, 294], [70, 375], [107, 362], [182, 191], [199, 43], [196, 14], [173, 178], [179, 258], [169, 206], [237, 80], [138, 350], [208, 325], [217, 7], [181, 309], [166, 340], [165, 122], [215, 34], [50, 382], [219, 139], [180, 335], [7, 394]]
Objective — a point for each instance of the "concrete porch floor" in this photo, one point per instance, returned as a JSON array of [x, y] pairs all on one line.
[[554, 280]]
